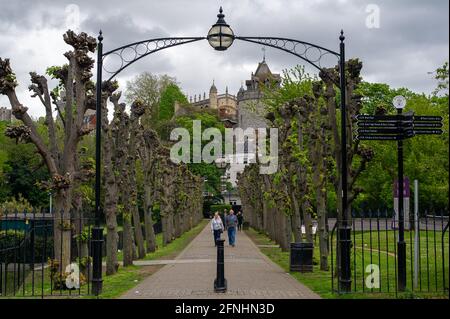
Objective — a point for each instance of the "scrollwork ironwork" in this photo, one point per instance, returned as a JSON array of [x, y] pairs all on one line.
[[130, 53], [311, 53]]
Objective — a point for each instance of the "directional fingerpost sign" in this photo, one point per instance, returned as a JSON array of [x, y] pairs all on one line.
[[428, 125], [385, 127], [398, 128]]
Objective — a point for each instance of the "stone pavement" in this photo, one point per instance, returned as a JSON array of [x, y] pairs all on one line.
[[250, 274]]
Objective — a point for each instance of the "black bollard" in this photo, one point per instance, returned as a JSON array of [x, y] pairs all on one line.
[[97, 241], [220, 283]]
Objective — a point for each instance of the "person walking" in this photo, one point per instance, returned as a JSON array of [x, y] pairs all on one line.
[[225, 214], [231, 223], [216, 227], [240, 219]]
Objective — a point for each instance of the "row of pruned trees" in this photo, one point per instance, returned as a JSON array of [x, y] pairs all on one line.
[[308, 121], [128, 152], [176, 191]]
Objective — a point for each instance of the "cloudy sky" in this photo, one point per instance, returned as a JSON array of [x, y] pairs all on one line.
[[399, 41]]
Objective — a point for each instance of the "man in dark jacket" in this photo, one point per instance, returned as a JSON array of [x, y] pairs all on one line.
[[231, 222]]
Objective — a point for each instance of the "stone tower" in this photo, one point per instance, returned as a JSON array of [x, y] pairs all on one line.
[[213, 97], [251, 109], [5, 114]]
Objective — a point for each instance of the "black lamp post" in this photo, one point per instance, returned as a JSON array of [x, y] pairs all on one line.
[[97, 231]]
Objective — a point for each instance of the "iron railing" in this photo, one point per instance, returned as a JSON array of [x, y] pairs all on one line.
[[374, 254], [28, 266]]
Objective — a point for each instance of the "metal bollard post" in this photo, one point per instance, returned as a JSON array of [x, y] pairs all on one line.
[[220, 283], [97, 241]]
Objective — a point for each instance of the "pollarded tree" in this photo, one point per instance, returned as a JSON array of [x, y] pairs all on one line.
[[330, 79], [113, 161], [75, 77], [135, 129], [149, 157]]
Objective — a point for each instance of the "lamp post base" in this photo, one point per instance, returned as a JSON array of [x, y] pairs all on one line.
[[220, 283], [97, 241], [345, 242], [401, 249], [222, 288]]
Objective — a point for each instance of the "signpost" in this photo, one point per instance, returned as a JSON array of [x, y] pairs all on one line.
[[398, 128]]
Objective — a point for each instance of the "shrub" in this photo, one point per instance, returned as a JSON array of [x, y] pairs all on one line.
[[14, 238], [219, 208], [20, 205]]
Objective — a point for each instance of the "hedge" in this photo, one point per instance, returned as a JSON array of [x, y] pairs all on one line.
[[10, 239], [219, 208]]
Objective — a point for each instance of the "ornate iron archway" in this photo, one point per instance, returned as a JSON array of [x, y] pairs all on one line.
[[221, 37]]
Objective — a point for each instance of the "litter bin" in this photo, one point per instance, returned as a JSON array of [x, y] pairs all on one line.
[[301, 257]]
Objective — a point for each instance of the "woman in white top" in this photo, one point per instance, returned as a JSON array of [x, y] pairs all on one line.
[[216, 227]]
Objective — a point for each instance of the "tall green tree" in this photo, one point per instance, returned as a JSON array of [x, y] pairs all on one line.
[[148, 88], [171, 94], [21, 170]]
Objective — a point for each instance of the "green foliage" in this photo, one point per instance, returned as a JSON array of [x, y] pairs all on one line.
[[296, 83], [377, 97], [52, 71], [20, 204], [209, 171], [10, 238], [169, 96], [441, 75], [219, 208], [20, 169], [148, 88], [425, 159]]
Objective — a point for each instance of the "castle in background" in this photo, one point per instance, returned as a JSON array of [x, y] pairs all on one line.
[[244, 110], [5, 114], [251, 109], [225, 104]]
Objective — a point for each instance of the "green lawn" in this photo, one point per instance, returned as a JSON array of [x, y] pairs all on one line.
[[382, 254], [115, 285]]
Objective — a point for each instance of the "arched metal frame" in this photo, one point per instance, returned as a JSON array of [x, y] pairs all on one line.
[[141, 49], [297, 48]]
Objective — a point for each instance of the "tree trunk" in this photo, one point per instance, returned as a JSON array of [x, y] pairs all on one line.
[[296, 220], [62, 228], [308, 221], [139, 238], [148, 220], [127, 240], [323, 229]]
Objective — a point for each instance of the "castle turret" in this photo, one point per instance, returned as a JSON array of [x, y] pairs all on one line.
[[213, 97]]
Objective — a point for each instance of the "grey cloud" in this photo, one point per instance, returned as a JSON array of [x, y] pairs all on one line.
[[413, 38]]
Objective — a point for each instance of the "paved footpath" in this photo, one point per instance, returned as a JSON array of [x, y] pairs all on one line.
[[250, 274]]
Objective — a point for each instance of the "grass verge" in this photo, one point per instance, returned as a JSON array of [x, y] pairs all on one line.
[[320, 281]]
